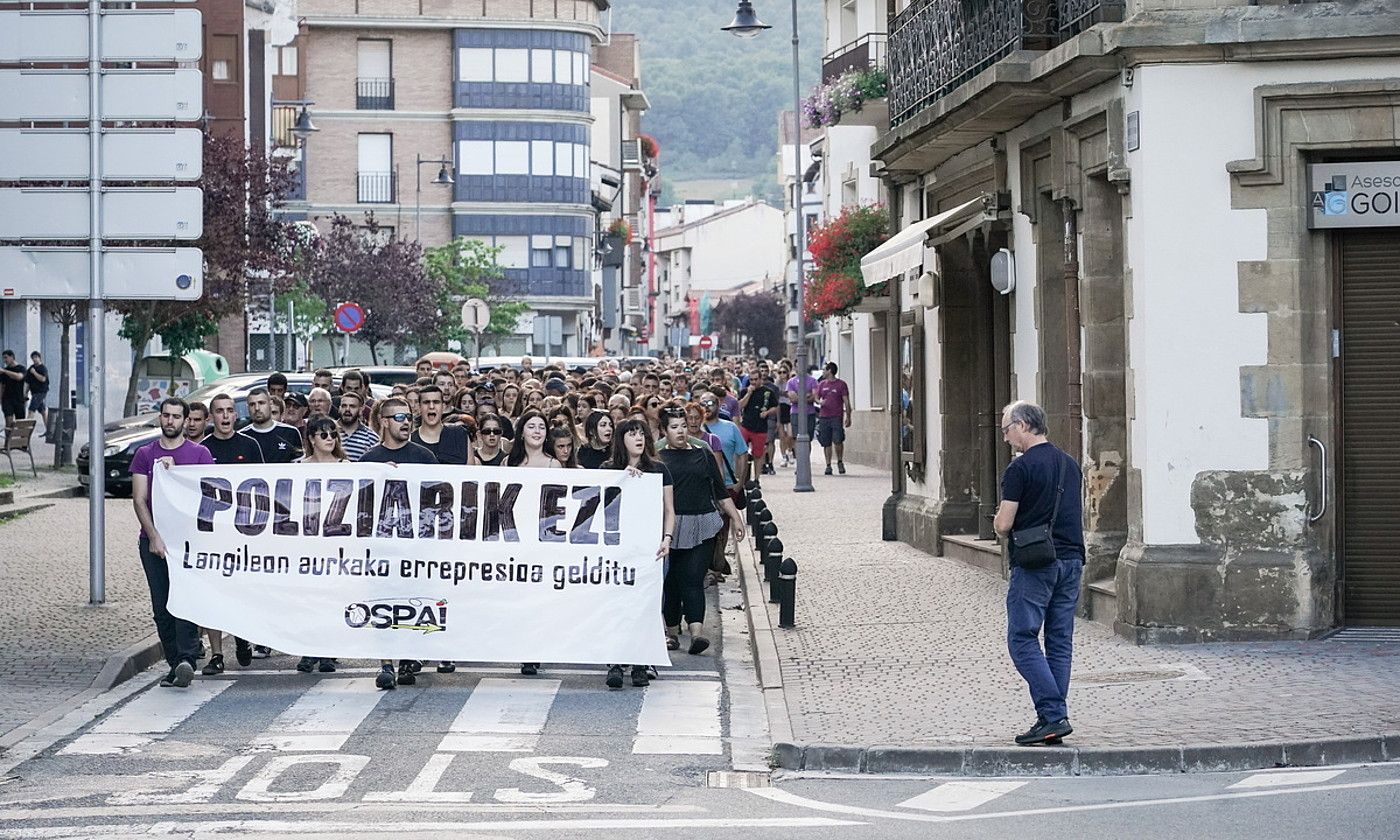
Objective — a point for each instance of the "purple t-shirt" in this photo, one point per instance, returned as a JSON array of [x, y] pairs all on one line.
[[144, 461], [832, 394], [811, 389]]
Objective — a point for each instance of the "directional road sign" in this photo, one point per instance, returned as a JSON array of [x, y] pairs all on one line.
[[349, 317], [134, 213], [127, 273], [127, 35], [175, 94], [476, 315], [60, 154]]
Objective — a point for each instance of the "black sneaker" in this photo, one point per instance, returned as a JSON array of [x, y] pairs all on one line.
[[1045, 732], [168, 680], [407, 676], [414, 665], [698, 645], [261, 651], [640, 677], [326, 666], [305, 664], [828, 470], [182, 676], [615, 676], [385, 680], [530, 669], [243, 652], [841, 467], [215, 665], [446, 667]]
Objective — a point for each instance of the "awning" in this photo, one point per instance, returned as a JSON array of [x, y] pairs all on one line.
[[905, 250]]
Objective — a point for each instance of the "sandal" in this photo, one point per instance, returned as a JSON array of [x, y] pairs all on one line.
[[673, 643]]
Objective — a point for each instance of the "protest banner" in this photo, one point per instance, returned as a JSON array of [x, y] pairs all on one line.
[[362, 560]]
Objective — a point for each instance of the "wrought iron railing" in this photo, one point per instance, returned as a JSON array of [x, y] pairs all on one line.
[[937, 45], [376, 188], [374, 94], [865, 51], [1075, 16]]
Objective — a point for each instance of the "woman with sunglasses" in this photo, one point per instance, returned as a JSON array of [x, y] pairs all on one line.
[[632, 450], [651, 407], [598, 439], [490, 453], [322, 447], [702, 503], [528, 450]]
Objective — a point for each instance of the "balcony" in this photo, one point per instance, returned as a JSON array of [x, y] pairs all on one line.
[[374, 94], [1078, 15], [376, 188], [284, 117], [865, 51], [937, 45]]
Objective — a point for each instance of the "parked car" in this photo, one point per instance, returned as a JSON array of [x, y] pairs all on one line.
[[120, 443], [389, 375]]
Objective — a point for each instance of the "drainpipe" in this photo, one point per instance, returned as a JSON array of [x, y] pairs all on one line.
[[1074, 402], [889, 530]]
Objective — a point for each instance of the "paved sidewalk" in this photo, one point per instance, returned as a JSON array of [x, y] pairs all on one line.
[[896, 647], [52, 644]]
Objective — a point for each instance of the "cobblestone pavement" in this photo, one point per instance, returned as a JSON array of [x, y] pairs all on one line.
[[52, 644], [895, 646]]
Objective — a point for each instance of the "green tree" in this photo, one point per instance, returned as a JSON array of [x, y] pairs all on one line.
[[468, 268]]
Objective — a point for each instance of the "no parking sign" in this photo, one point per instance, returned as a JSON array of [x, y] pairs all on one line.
[[349, 317]]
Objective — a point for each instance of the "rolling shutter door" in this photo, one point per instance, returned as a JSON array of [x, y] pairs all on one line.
[[1370, 538]]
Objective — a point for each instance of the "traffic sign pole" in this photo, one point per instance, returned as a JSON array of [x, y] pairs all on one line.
[[92, 346]]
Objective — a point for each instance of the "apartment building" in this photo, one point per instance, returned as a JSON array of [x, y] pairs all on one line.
[[1172, 224], [448, 118], [799, 172]]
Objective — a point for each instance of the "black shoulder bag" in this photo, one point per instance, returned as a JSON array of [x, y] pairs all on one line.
[[1034, 548]]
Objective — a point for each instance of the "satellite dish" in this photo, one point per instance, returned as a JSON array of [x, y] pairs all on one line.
[[1003, 272]]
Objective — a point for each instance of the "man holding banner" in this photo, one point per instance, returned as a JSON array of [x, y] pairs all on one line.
[[178, 637]]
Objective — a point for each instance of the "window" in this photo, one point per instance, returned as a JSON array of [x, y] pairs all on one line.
[[512, 65], [564, 159], [542, 66], [515, 251], [474, 157], [580, 161], [223, 58], [376, 168], [879, 367], [374, 84], [541, 251], [580, 68], [474, 65], [512, 157], [286, 61], [580, 252], [541, 157], [563, 252], [563, 68]]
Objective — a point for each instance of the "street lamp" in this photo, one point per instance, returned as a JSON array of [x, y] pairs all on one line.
[[747, 25], [443, 179]]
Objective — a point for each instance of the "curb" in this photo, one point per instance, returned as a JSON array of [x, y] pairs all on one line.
[[765, 649], [118, 668], [1084, 761]]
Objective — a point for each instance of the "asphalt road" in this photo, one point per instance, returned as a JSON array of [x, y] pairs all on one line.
[[484, 752]]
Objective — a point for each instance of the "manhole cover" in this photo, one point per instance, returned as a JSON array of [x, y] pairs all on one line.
[[1169, 672]]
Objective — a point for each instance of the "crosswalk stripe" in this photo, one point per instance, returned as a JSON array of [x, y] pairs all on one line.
[[502, 715], [323, 718], [149, 718], [1286, 778], [679, 718], [951, 797]]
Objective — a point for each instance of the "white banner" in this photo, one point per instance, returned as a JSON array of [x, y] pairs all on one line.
[[475, 564]]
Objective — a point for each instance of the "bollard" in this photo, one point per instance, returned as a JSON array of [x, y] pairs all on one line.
[[764, 519], [766, 531], [787, 591], [756, 506], [772, 557]]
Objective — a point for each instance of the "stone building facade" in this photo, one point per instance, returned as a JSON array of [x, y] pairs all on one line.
[[1116, 211]]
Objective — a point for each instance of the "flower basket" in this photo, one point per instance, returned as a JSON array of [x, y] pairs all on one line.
[[846, 94], [835, 286], [621, 230]]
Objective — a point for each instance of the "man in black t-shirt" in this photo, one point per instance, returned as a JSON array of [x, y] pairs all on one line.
[[1041, 487], [11, 388], [449, 444], [37, 380], [279, 443], [395, 447], [758, 402]]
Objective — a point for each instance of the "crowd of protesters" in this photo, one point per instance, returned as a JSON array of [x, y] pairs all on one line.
[[705, 427]]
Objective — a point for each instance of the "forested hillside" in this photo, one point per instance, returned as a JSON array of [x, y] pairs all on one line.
[[716, 98]]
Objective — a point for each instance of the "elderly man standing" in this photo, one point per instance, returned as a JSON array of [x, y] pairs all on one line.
[[1041, 514]]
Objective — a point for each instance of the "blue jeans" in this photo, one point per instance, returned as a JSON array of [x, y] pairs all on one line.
[[1044, 599]]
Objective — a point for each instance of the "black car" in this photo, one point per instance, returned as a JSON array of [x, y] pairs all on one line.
[[121, 443]]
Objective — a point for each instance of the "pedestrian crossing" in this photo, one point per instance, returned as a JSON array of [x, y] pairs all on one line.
[[471, 713]]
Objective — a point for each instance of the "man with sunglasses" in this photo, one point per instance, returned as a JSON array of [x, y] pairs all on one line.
[[397, 447], [355, 436]]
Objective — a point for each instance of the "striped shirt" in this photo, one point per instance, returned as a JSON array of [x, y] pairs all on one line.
[[358, 442]]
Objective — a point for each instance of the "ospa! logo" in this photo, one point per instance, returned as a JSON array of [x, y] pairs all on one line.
[[427, 615]]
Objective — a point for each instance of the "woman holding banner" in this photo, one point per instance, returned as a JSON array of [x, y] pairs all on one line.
[[322, 447], [528, 450], [700, 498], [632, 450]]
